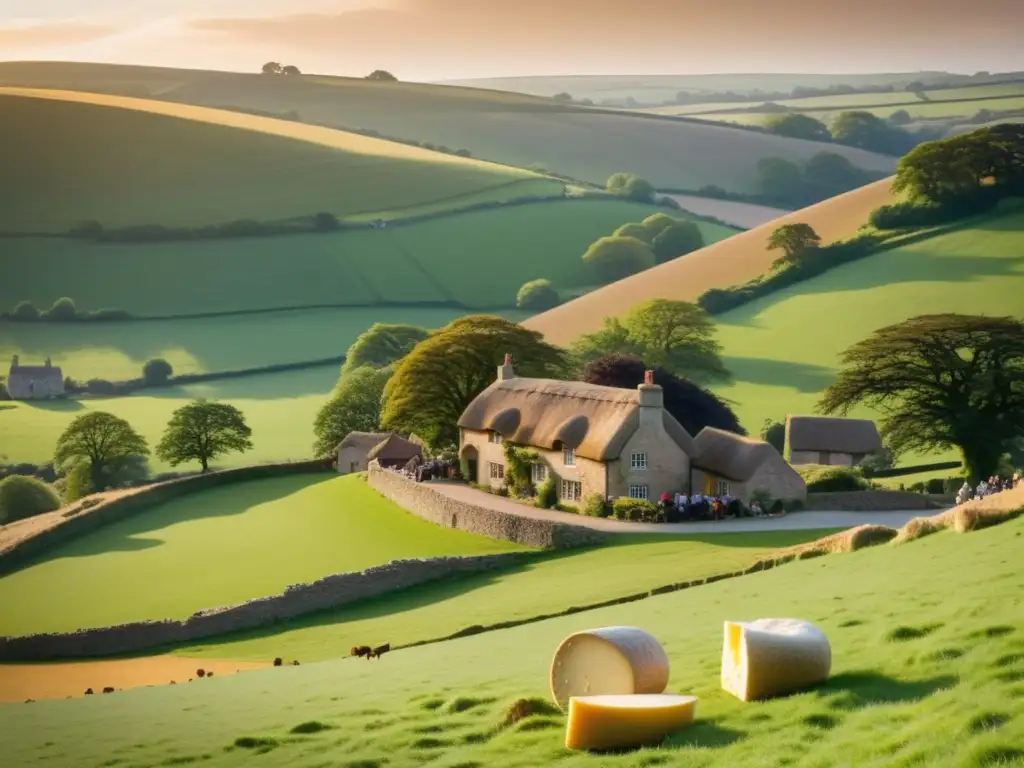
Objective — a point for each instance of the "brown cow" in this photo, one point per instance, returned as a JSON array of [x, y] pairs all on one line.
[[362, 650], [380, 650]]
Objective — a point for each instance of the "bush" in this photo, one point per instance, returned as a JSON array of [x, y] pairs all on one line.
[[537, 295], [25, 311], [595, 505], [827, 479], [325, 222], [62, 311], [547, 494], [613, 258], [935, 485], [157, 371], [630, 186], [637, 510], [876, 462], [639, 231], [22, 496], [100, 387]]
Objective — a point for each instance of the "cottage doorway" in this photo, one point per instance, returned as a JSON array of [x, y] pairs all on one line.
[[470, 460]]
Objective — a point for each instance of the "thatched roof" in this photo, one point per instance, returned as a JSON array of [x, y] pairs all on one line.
[[394, 448], [817, 433], [363, 441], [595, 421], [729, 455]]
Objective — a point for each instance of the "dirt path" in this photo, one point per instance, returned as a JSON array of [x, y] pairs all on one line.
[[19, 682]]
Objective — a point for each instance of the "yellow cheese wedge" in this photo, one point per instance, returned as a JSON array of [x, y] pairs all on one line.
[[622, 722], [608, 660], [773, 657]]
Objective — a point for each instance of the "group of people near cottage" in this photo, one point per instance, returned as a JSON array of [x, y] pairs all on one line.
[[681, 507], [994, 484], [431, 469]]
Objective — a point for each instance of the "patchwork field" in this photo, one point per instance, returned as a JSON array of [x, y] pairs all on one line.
[[479, 259], [921, 675], [507, 128], [220, 547], [124, 161]]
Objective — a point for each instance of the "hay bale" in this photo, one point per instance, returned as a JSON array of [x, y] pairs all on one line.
[[919, 527]]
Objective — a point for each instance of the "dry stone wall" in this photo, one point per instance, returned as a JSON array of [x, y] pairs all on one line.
[[869, 501], [298, 600], [423, 501]]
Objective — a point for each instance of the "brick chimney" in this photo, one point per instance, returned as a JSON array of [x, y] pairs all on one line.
[[505, 370], [652, 401]]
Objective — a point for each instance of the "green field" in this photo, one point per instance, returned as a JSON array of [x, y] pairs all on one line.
[[220, 547], [783, 349], [550, 585], [922, 675], [507, 128], [479, 259]]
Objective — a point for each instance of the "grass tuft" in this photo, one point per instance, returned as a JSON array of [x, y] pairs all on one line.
[[903, 633], [988, 721], [524, 708], [310, 726]]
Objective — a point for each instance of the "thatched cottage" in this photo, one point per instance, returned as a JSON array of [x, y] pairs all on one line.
[[828, 440], [612, 442], [34, 382], [358, 449]]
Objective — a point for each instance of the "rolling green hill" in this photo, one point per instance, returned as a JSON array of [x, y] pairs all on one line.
[[508, 128]]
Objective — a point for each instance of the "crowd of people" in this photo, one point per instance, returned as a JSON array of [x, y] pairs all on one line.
[[682, 508], [994, 484]]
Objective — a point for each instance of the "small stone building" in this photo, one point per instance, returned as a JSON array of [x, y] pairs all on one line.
[[830, 441], [394, 451], [358, 448], [609, 441], [34, 382]]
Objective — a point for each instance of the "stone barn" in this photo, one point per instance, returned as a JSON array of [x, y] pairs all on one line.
[[394, 452], [359, 448], [34, 382], [728, 464], [830, 441]]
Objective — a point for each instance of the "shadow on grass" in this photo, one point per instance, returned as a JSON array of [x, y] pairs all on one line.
[[857, 690], [707, 734], [60, 406], [802, 377]]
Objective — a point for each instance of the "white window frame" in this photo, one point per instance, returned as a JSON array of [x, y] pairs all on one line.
[[721, 487], [569, 457], [497, 438], [637, 491], [570, 490], [539, 472], [638, 461], [497, 470]]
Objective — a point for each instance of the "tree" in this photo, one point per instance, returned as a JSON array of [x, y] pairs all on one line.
[[630, 186], [62, 311], [781, 180], [382, 344], [692, 406], [657, 223], [613, 258], [798, 126], [900, 117], [537, 295], [24, 310], [677, 336], [793, 240], [354, 406], [834, 173], [22, 496], [157, 371], [435, 383], [291, 70], [103, 442], [774, 433], [679, 239], [636, 231], [201, 431], [563, 97], [867, 131], [272, 68], [941, 381], [382, 75], [612, 338], [325, 222]]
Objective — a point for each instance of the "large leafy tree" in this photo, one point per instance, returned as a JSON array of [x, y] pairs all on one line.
[[383, 344], [678, 239], [798, 126], [793, 240], [693, 406], [434, 383], [613, 258], [941, 381], [354, 406], [101, 442], [201, 431]]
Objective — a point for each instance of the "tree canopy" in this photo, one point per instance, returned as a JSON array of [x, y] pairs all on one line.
[[354, 406], [383, 344], [537, 295], [631, 186], [157, 371], [867, 131], [677, 239], [22, 496], [692, 406], [794, 240], [271, 68], [613, 258], [635, 230], [100, 441], [201, 431], [798, 126], [434, 383], [382, 75], [941, 381]]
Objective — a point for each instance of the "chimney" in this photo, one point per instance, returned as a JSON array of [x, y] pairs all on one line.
[[652, 401], [505, 370], [14, 362]]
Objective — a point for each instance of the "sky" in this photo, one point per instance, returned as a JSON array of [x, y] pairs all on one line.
[[425, 40]]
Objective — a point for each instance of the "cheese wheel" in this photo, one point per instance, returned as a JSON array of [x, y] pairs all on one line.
[[609, 660], [773, 657], [621, 722]]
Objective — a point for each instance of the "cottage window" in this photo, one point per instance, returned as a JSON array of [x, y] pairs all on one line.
[[496, 438], [540, 473], [722, 488], [572, 490], [638, 491], [569, 457], [638, 461], [497, 471]]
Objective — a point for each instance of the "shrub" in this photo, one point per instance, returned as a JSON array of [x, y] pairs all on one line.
[[679, 239], [826, 479], [157, 371], [25, 311], [63, 310], [100, 387], [935, 485], [325, 222], [595, 505], [639, 231], [630, 186], [876, 462], [22, 496], [637, 510], [538, 295], [547, 494], [613, 258]]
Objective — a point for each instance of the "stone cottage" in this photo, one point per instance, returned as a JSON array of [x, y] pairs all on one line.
[[358, 448], [609, 441], [34, 382], [826, 440]]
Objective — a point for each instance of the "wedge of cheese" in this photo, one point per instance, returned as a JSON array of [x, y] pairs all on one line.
[[622, 722], [773, 657], [608, 660]]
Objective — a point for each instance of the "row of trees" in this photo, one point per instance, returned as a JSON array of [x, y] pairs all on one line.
[[855, 129], [824, 175], [276, 68]]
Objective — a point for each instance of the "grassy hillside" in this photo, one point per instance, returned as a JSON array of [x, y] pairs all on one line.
[[507, 128], [724, 264], [124, 161], [922, 674], [220, 547], [478, 259]]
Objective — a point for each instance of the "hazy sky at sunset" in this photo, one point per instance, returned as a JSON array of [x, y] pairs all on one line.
[[435, 39]]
